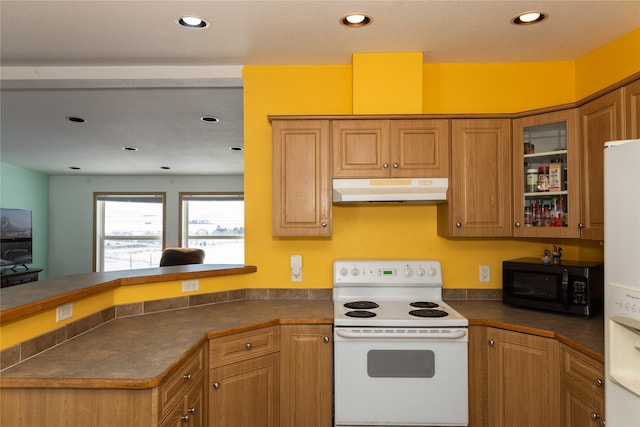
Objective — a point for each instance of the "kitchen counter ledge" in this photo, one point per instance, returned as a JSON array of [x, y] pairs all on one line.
[[31, 298]]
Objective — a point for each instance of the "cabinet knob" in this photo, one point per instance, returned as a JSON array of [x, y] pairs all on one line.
[[216, 385], [517, 224], [324, 224], [385, 165], [396, 166], [185, 418], [491, 343], [326, 339], [599, 382], [458, 225], [248, 346], [186, 377], [580, 226], [192, 410], [595, 416]]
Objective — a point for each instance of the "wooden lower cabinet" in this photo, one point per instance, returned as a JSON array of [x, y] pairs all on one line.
[[246, 393], [582, 400], [188, 412], [306, 355], [520, 383]]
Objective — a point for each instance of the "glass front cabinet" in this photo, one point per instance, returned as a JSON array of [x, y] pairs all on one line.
[[546, 193]]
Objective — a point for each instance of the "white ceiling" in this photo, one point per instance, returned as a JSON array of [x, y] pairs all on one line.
[[141, 80]]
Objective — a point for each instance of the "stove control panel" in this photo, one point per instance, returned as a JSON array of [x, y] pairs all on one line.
[[387, 272]]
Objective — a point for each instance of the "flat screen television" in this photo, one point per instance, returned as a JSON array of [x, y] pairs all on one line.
[[15, 238]]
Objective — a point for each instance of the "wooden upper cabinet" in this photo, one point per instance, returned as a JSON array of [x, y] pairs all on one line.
[[420, 148], [632, 110], [601, 121], [479, 200], [301, 178], [390, 148], [554, 139]]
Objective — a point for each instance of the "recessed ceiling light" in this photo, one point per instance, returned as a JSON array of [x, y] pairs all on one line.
[[355, 20], [210, 119], [74, 168], [165, 167], [235, 148], [192, 22], [76, 119], [129, 148], [529, 18]]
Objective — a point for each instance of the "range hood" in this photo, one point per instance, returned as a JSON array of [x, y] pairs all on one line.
[[390, 190]]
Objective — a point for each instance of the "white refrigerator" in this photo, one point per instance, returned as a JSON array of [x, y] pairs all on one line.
[[622, 282]]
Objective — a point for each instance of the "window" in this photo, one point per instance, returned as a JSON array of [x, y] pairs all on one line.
[[214, 222], [129, 230]]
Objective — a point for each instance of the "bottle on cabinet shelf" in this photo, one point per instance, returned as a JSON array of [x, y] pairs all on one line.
[[555, 175]]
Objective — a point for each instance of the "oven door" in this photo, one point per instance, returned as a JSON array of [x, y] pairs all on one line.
[[407, 377]]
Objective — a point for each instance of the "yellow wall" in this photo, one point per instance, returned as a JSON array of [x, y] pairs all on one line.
[[607, 65], [496, 88]]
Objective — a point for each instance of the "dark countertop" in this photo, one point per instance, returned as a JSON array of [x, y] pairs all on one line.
[[584, 334], [139, 351]]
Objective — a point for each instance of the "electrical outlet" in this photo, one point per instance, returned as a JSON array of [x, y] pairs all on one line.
[[190, 285], [485, 273], [64, 312]]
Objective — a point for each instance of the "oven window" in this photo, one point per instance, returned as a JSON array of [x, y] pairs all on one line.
[[536, 285], [401, 363]]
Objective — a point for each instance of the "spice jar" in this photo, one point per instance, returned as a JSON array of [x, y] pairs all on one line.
[[543, 178], [528, 216], [532, 181]]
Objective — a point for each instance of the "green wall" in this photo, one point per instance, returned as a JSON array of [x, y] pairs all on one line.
[[25, 189]]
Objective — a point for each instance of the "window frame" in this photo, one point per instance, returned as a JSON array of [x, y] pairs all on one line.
[[98, 255], [183, 236]]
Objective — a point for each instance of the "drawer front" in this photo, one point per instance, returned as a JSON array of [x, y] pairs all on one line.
[[584, 369], [178, 383], [242, 346]]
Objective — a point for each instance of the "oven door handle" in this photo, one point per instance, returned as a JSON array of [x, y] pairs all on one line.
[[433, 334]]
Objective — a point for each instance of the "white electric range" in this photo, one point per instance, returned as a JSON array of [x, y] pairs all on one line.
[[400, 352]]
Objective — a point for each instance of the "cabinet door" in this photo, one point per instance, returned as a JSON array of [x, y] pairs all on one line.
[[419, 148], [632, 109], [189, 412], [360, 148], [301, 178], [601, 121], [582, 400], [523, 381], [554, 140], [478, 378], [245, 394], [479, 200], [306, 375], [580, 407]]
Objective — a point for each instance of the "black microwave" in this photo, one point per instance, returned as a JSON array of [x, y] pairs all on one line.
[[575, 287]]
